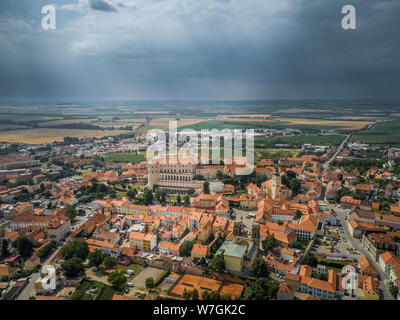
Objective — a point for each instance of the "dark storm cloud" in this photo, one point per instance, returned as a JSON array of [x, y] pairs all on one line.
[[209, 49], [101, 5]]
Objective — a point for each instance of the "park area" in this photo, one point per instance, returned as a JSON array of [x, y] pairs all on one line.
[[140, 280], [92, 290]]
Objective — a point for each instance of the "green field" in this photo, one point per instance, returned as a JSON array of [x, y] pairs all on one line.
[[273, 154], [128, 157], [220, 124], [383, 133], [325, 140]]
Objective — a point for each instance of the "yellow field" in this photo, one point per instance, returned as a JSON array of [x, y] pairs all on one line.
[[163, 123], [347, 125], [245, 117], [48, 135], [96, 122]]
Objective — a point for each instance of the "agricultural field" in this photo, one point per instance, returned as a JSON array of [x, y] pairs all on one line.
[[94, 122], [306, 125], [342, 124], [322, 140], [381, 134], [4, 127], [274, 154], [55, 123], [163, 123], [350, 123], [48, 135], [128, 157]]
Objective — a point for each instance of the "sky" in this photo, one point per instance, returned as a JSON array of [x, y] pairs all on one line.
[[200, 50]]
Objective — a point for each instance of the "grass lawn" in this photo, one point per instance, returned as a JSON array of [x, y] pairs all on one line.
[[130, 157], [121, 194], [136, 268], [301, 244], [106, 293], [81, 292], [336, 265]]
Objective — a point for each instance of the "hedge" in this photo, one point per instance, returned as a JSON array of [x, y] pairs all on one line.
[[162, 276]]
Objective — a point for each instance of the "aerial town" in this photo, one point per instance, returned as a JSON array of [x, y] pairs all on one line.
[[92, 219]]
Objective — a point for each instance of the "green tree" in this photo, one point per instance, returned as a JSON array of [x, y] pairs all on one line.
[[71, 213], [163, 199], [269, 243], [148, 197], [295, 185], [44, 252], [206, 187], [96, 258], [178, 199], [186, 248], [77, 248], [4, 248], [261, 289], [195, 295], [110, 262], [310, 260], [218, 263], [132, 193], [24, 246], [186, 294], [73, 267], [259, 269], [394, 291], [186, 201], [291, 174], [158, 193], [149, 283], [117, 279]]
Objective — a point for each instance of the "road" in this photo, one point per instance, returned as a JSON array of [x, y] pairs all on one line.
[[383, 277], [325, 166]]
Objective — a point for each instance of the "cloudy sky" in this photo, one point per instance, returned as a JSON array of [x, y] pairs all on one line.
[[199, 49]]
